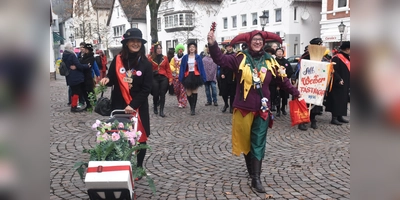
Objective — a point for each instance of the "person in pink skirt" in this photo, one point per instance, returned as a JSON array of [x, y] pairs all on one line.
[[175, 64]]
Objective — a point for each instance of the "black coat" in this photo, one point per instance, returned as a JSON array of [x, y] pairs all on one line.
[[86, 59], [76, 76], [139, 92], [338, 97], [289, 72], [228, 84]]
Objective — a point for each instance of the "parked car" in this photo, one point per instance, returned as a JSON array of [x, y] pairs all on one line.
[[293, 61]]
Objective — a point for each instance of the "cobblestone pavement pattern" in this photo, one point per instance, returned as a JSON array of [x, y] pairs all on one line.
[[191, 156]]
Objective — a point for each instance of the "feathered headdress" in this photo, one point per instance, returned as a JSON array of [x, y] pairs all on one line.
[[246, 37]]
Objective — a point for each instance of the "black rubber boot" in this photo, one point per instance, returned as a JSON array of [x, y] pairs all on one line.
[[278, 111], [247, 158], [194, 101], [343, 120], [155, 109], [302, 126], [335, 121], [283, 110], [224, 108], [255, 177], [314, 124], [162, 109], [76, 109]]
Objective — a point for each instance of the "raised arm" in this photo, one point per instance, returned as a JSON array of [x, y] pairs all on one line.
[[229, 61]]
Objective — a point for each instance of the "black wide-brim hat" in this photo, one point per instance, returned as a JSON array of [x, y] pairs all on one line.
[[192, 43], [133, 33], [345, 45]]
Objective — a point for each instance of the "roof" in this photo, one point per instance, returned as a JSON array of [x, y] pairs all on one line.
[[133, 9], [102, 4]]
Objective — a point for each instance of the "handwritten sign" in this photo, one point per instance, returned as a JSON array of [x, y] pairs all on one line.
[[313, 79]]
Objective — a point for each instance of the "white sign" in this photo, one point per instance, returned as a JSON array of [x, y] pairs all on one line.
[[313, 79]]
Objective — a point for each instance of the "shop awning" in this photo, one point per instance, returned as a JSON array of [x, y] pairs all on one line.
[[57, 37]]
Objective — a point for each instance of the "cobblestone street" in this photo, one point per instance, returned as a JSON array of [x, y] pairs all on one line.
[[191, 155]]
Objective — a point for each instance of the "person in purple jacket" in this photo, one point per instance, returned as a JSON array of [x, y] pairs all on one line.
[[254, 70]]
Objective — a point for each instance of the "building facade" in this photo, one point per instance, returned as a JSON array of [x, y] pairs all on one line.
[[295, 21], [333, 13], [180, 21]]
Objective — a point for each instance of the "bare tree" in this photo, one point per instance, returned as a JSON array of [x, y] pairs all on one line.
[[154, 5]]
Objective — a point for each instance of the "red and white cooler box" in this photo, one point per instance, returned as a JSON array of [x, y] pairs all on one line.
[[110, 175]]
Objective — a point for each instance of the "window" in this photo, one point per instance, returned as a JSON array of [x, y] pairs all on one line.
[[254, 18], [135, 25], [295, 13], [174, 43], [267, 14], [117, 9], [234, 22], [342, 3], [119, 30], [181, 21], [278, 15], [225, 23], [278, 33], [296, 49], [188, 19], [244, 20], [175, 20], [159, 24], [169, 44]]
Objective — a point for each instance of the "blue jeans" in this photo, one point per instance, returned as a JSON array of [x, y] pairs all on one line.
[[213, 91]]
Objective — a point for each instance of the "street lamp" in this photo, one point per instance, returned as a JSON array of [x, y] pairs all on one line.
[[341, 30], [264, 19]]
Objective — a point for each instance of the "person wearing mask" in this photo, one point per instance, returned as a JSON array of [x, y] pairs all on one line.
[[175, 64], [75, 78], [162, 77], [88, 58], [316, 110], [338, 97], [227, 83], [211, 76], [192, 75], [283, 100], [131, 75], [254, 69]]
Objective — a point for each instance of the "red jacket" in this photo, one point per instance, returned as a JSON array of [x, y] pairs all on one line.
[[163, 68]]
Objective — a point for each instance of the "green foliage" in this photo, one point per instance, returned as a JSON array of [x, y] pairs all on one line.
[[93, 96]]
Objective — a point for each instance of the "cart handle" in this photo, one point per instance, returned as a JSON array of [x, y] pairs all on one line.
[[121, 111]]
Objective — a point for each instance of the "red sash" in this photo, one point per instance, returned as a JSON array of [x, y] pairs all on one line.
[[121, 74], [344, 60]]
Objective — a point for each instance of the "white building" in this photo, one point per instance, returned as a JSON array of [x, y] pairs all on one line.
[[333, 13], [124, 15], [296, 21], [90, 21], [180, 21]]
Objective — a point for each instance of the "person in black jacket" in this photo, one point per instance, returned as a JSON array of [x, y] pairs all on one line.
[[88, 58], [227, 84], [131, 75], [75, 79], [279, 52]]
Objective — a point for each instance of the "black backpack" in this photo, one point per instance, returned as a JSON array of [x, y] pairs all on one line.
[[63, 69], [103, 106]]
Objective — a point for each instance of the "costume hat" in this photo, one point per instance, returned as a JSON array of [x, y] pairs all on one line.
[[246, 37], [133, 33]]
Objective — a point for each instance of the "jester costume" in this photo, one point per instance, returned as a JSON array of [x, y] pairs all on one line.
[[253, 71]]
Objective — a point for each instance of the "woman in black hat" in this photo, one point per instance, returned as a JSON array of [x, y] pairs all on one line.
[[132, 77], [88, 58], [192, 74]]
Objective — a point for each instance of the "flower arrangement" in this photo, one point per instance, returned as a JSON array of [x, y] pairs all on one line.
[[115, 141]]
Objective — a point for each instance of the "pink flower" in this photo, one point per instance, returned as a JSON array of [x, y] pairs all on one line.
[[94, 126], [98, 133], [132, 140], [105, 136], [263, 70], [98, 122], [139, 134], [138, 73], [115, 137], [107, 126], [121, 125]]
